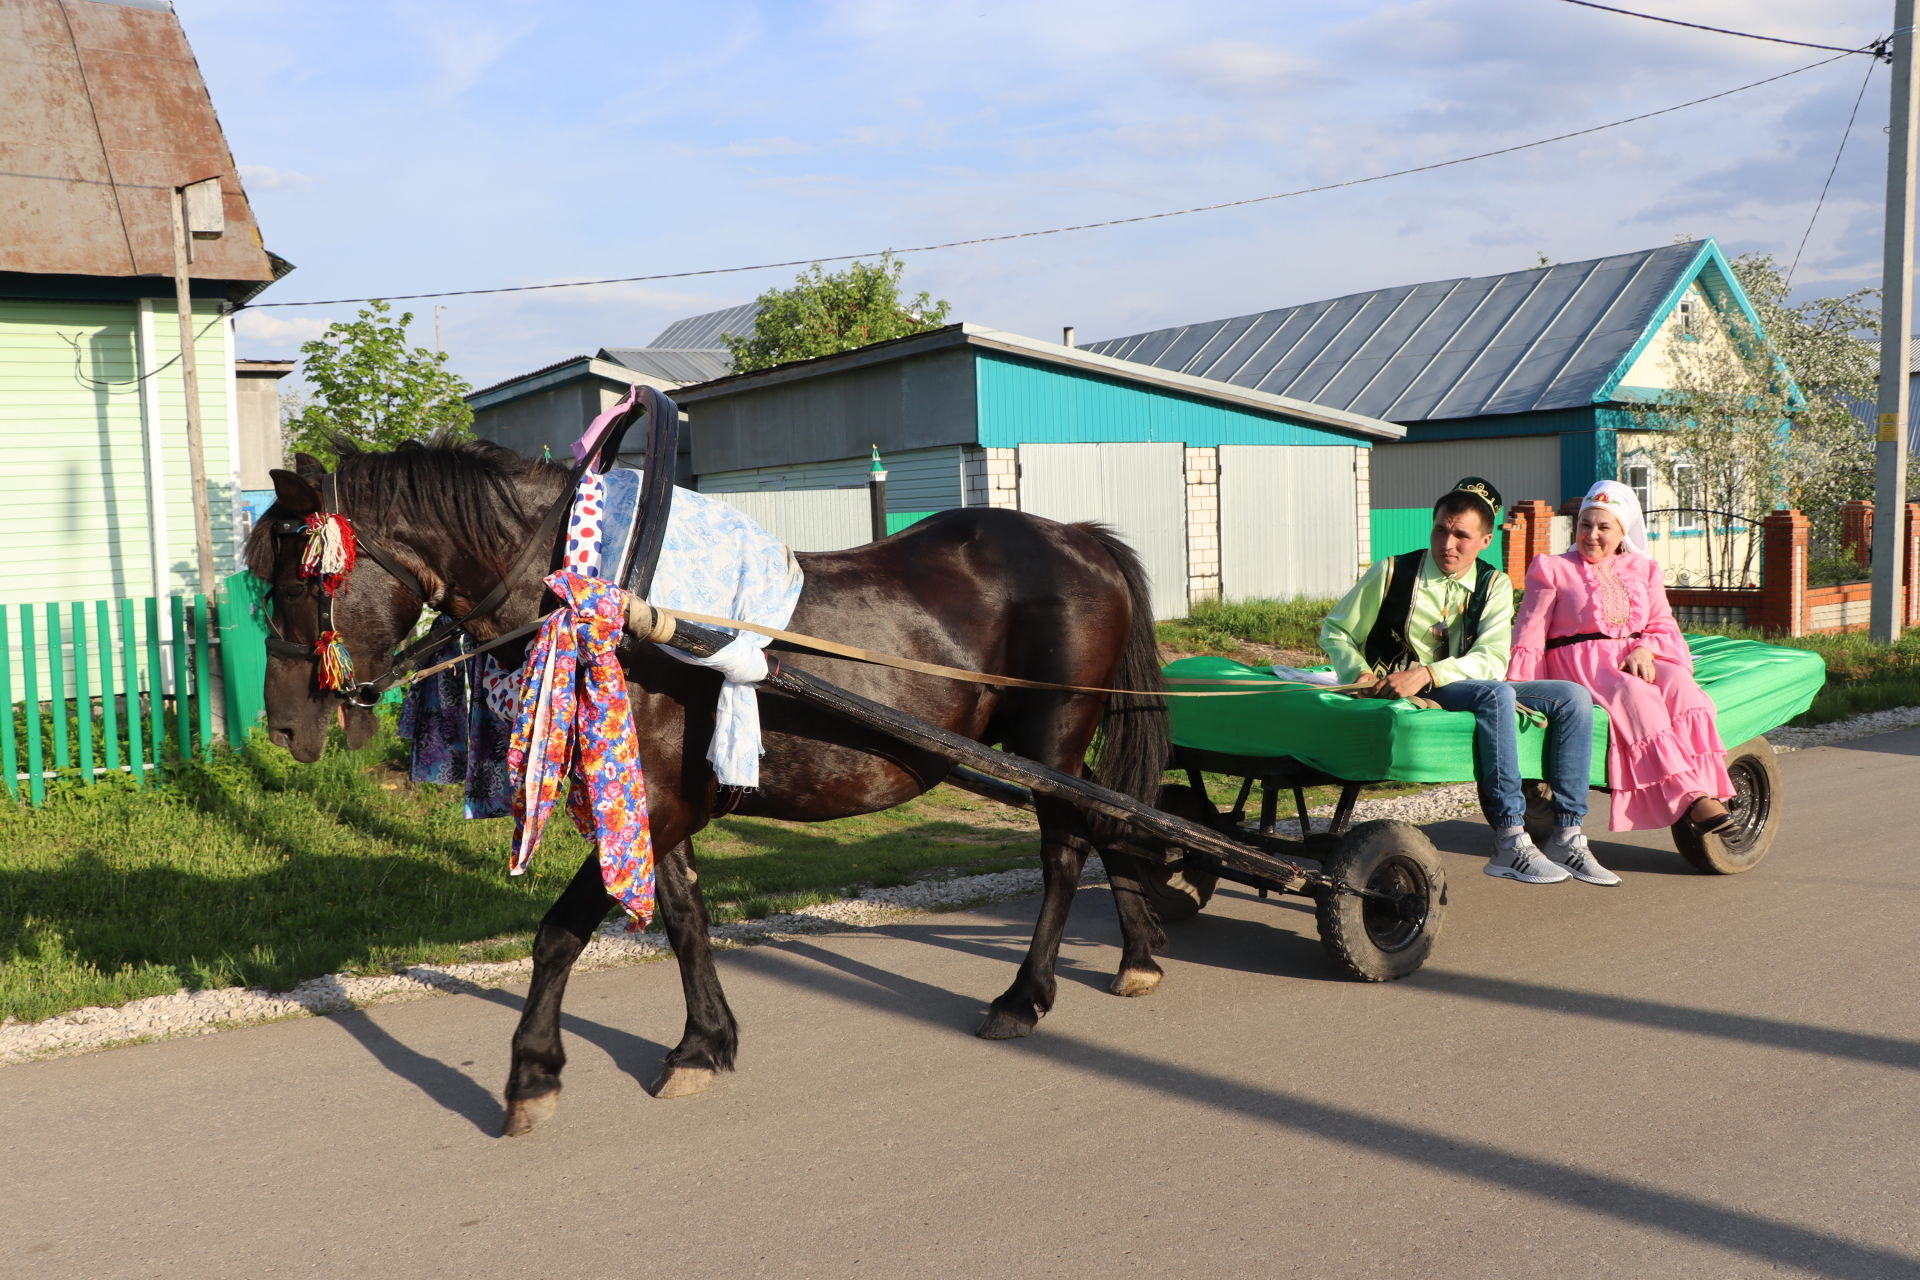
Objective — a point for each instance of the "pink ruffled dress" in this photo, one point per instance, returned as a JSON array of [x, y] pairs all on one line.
[[1664, 749]]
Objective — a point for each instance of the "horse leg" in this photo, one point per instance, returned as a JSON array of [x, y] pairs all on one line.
[[1140, 931], [708, 1044], [1063, 854], [533, 1081]]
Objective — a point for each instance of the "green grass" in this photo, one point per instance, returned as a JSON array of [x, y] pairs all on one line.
[[253, 870], [1223, 626]]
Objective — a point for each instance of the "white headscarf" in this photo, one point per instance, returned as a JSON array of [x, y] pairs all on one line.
[[1613, 497]]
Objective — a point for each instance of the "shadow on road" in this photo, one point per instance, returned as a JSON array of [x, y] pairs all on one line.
[[1769, 1032], [1629, 1202], [460, 1093]]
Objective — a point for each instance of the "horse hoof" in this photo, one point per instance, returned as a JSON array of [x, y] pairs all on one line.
[[1135, 982], [1004, 1026], [681, 1082], [524, 1115]]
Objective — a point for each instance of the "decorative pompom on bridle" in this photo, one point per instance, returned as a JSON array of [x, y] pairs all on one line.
[[336, 664], [330, 551]]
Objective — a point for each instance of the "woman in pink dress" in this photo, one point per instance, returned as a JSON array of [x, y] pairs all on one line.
[[1597, 614]]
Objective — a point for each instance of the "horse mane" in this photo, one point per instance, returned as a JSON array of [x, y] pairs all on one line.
[[466, 490]]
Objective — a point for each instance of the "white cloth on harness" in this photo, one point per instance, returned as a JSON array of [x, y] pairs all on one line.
[[713, 560]]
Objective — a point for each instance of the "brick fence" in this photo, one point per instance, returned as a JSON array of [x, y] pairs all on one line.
[[1783, 602]]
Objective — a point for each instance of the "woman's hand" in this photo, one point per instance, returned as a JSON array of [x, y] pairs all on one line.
[[1639, 662]]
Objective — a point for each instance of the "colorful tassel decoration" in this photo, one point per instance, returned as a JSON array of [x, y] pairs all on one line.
[[336, 664], [330, 551]]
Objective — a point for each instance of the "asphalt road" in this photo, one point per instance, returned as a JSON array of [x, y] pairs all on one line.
[[1684, 1076]]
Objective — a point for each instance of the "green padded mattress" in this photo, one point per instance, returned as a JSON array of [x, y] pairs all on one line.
[[1755, 688]]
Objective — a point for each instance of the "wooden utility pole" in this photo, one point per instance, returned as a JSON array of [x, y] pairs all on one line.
[[183, 225], [1896, 323]]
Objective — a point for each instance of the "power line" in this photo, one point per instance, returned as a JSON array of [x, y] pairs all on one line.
[[1873, 48], [1840, 151], [1082, 226]]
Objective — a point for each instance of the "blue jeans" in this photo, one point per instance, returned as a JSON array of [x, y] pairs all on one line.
[[1569, 753]]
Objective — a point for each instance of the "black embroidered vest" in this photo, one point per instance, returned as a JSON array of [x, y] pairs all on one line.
[[1387, 648]]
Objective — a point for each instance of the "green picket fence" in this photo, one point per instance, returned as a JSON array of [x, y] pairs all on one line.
[[121, 686]]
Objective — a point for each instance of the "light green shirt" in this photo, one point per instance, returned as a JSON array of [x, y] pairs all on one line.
[[1435, 596]]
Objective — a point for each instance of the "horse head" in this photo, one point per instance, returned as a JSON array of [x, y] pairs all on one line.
[[370, 611]]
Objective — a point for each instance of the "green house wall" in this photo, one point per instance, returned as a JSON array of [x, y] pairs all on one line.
[[75, 506]]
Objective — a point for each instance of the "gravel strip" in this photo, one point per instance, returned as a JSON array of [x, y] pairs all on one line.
[[193, 1013]]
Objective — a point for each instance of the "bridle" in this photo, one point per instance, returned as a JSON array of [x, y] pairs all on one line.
[[549, 535], [407, 658]]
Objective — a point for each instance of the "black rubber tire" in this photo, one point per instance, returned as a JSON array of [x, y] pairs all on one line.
[[1182, 893], [1370, 939], [1755, 806]]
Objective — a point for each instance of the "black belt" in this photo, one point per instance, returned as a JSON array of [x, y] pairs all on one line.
[[1557, 641]]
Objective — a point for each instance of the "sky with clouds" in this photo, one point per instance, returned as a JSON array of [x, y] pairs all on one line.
[[414, 146]]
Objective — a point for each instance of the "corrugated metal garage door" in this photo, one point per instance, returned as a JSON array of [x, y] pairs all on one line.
[[1289, 521], [809, 519], [1139, 489], [1413, 475]]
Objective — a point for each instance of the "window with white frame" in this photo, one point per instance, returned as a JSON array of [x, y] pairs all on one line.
[[1686, 496], [1637, 475]]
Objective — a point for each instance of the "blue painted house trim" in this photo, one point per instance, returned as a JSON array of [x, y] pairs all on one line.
[[1025, 401], [1722, 287]]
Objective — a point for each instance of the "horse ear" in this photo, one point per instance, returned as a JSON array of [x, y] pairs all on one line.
[[294, 492], [309, 466]]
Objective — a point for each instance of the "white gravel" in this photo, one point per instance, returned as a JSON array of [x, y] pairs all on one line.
[[192, 1013]]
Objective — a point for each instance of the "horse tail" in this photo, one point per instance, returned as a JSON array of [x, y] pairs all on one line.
[[1136, 736]]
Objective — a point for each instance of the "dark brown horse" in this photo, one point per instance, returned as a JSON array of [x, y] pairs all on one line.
[[993, 591]]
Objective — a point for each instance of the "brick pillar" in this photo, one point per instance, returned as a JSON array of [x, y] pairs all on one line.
[[1856, 529], [1910, 567], [1203, 524], [1783, 574], [1529, 534]]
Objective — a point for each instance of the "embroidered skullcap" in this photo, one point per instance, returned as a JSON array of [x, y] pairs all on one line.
[[1614, 497], [1483, 490]]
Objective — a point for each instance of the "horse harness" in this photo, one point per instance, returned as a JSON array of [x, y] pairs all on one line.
[[663, 418]]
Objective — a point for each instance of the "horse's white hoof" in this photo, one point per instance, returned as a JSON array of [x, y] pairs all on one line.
[[679, 1082], [524, 1115], [1135, 982]]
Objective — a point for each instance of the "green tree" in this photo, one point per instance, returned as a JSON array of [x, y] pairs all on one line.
[[371, 388], [825, 312]]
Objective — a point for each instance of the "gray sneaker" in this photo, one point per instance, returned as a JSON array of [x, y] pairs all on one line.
[[1568, 849], [1515, 858]]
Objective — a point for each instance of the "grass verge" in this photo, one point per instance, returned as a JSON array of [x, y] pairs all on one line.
[[255, 871]]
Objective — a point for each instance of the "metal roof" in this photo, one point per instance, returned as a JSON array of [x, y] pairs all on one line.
[[703, 333], [1550, 338], [104, 113], [671, 365], [1076, 358]]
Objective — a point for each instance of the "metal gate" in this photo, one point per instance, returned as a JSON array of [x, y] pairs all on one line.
[[1139, 489], [1289, 521], [808, 519]]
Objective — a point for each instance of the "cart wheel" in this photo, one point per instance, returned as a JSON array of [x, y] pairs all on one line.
[[1755, 806], [1180, 893], [1380, 939]]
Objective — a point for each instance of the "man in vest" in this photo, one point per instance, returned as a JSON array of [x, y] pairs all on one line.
[[1438, 624]]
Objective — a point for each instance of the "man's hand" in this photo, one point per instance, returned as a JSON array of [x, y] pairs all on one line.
[[1639, 662], [1401, 684]]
